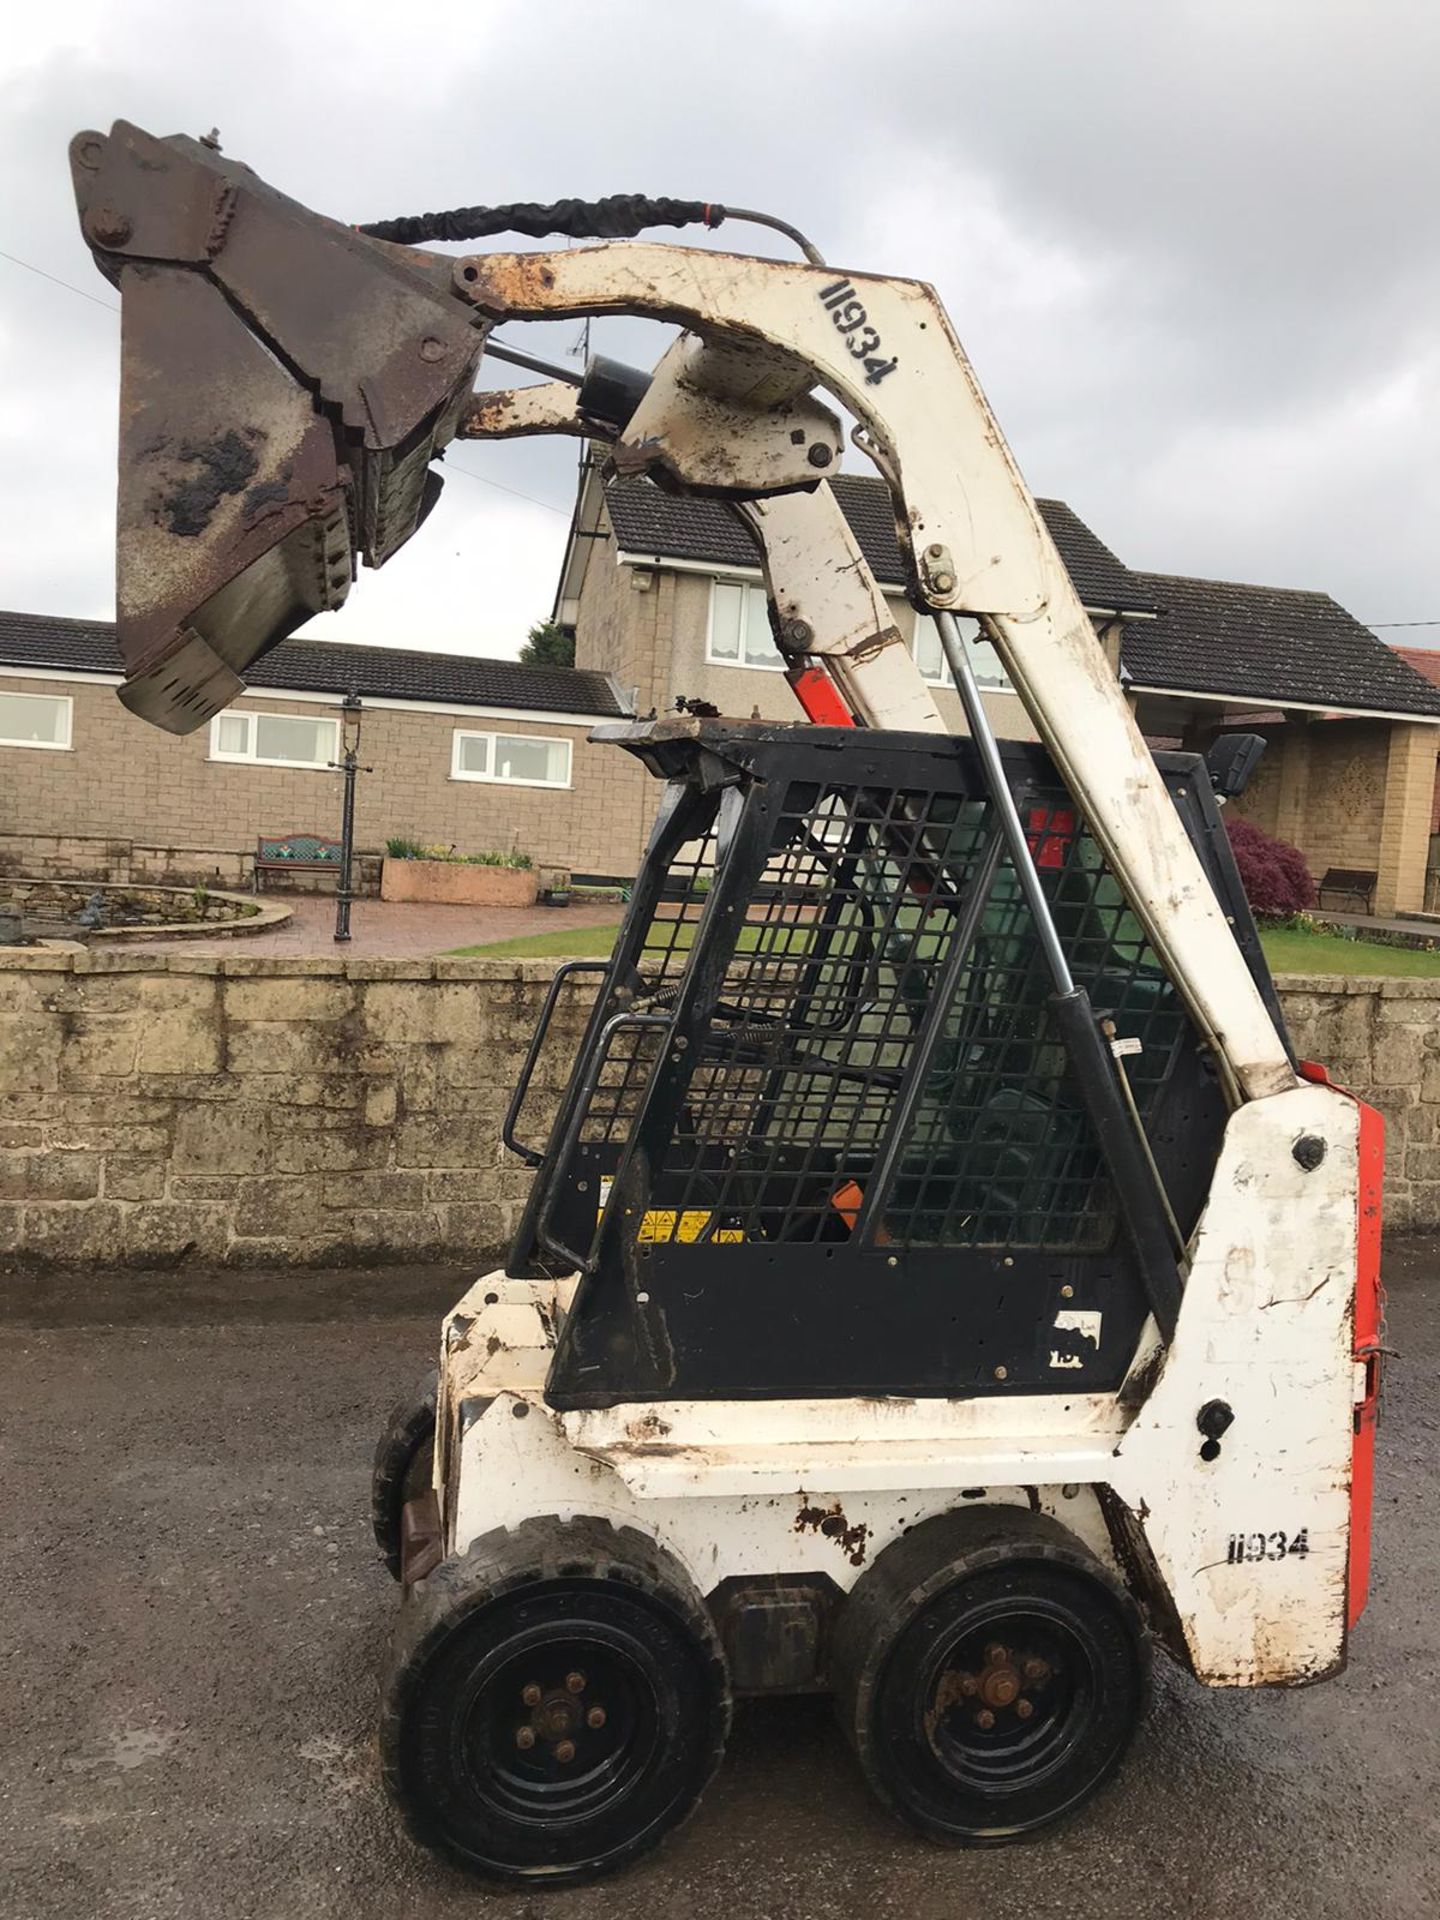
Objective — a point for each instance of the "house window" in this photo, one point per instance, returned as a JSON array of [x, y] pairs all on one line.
[[275, 739], [740, 633], [516, 759], [930, 657], [35, 720]]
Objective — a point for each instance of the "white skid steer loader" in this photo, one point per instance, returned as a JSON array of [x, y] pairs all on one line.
[[940, 1281]]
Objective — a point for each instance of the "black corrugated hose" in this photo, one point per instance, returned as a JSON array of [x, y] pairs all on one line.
[[616, 217]]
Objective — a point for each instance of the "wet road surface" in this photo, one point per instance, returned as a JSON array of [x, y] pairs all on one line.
[[193, 1620]]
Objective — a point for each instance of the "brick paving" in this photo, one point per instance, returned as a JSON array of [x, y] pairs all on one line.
[[396, 930]]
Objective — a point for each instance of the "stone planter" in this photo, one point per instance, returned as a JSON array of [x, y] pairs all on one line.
[[451, 883]]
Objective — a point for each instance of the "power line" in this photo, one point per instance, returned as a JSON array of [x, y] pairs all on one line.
[[1402, 623], [500, 487], [55, 280]]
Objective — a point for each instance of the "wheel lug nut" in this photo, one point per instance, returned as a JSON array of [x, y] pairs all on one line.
[[531, 1695], [575, 1682], [1024, 1708], [969, 1684], [565, 1752], [995, 1654], [524, 1738], [1035, 1670], [595, 1717], [985, 1719]]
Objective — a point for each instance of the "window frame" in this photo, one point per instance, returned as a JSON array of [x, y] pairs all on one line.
[[713, 659], [496, 734], [945, 678], [66, 704], [250, 758]]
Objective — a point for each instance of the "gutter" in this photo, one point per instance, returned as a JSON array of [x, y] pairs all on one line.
[[1278, 700]]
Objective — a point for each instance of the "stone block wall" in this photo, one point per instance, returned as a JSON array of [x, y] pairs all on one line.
[[1381, 1039], [57, 856], [168, 1109], [245, 1111]]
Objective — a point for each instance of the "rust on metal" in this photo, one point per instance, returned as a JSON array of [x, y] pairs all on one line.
[[649, 1426], [504, 282], [512, 412], [833, 1525]]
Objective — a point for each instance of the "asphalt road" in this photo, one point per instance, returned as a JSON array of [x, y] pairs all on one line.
[[192, 1621]]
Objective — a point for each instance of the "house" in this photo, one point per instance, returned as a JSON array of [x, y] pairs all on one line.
[[703, 632], [476, 754], [663, 594]]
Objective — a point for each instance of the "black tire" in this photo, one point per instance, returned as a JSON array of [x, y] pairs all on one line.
[[971, 1748], [404, 1466], [487, 1656]]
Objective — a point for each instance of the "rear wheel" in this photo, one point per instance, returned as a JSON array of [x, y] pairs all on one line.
[[990, 1673], [558, 1702]]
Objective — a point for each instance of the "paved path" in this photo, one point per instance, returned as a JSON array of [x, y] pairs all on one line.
[[193, 1620], [396, 930]]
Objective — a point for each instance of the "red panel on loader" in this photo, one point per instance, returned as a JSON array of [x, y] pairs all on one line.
[[1369, 1329]]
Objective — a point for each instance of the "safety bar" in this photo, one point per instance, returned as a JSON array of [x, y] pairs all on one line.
[[570, 1139], [532, 1156]]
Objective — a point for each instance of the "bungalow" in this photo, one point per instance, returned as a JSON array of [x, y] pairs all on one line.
[[476, 754]]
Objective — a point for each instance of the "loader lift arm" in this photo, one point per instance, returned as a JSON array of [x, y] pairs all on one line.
[[288, 381]]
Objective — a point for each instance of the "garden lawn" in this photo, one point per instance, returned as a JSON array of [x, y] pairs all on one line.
[[1290, 952], [566, 943], [1286, 952]]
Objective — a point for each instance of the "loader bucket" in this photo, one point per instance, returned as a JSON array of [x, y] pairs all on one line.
[[285, 385]]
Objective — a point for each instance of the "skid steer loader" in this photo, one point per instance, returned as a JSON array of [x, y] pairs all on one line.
[[940, 1280]]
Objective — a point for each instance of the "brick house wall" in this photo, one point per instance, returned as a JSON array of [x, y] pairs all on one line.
[[1350, 793], [124, 783]]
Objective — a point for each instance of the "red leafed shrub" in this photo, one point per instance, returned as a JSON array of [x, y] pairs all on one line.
[[1275, 878]]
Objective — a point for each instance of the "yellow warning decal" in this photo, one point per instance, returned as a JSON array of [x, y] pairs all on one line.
[[664, 1224]]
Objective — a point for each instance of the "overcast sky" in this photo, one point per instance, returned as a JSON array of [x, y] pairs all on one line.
[[1191, 247]]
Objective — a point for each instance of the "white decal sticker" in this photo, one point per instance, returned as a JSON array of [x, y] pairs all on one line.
[[1080, 1320]]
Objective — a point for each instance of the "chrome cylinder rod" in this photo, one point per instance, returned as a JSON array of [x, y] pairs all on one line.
[[1012, 827]]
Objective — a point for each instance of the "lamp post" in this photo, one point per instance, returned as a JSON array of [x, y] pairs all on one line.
[[348, 765]]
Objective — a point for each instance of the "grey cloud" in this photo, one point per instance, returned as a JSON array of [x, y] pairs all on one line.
[[1190, 248]]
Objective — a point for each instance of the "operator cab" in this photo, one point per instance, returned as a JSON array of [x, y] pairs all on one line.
[[826, 1036]]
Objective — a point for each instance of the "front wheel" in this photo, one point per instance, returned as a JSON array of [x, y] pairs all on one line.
[[403, 1467], [557, 1705], [990, 1674]]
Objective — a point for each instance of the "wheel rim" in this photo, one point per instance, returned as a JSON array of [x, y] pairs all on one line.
[[558, 1725], [1006, 1697]]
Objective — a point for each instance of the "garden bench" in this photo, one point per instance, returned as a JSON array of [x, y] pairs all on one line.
[[295, 853], [1351, 883]]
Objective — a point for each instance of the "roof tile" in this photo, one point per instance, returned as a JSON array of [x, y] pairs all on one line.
[[1276, 644], [335, 666], [677, 527]]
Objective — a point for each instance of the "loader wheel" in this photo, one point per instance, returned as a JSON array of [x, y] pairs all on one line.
[[404, 1464], [990, 1673], [558, 1702]]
